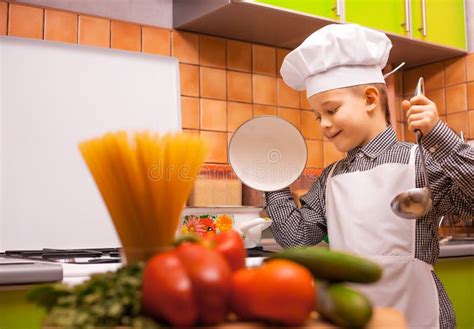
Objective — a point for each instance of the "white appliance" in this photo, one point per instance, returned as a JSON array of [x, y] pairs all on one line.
[[52, 96]]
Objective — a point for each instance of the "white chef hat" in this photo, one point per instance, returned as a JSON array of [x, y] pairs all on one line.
[[337, 56]]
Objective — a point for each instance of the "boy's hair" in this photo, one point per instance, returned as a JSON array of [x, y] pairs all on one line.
[[382, 88]]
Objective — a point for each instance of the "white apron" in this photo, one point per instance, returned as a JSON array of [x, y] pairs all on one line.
[[359, 220]]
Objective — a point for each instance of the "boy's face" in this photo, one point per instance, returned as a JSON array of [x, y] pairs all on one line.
[[343, 116]]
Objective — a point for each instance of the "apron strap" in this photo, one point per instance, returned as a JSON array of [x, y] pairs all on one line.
[[332, 169]]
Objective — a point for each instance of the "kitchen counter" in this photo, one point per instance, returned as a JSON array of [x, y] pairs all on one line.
[[453, 269], [449, 249], [383, 317], [75, 274], [456, 249]]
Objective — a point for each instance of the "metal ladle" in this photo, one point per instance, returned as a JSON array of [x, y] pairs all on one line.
[[415, 202]]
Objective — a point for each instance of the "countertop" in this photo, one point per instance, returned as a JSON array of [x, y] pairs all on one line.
[[74, 274], [447, 250], [381, 318], [456, 249]]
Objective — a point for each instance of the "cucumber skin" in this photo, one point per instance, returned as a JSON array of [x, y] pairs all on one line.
[[343, 306], [332, 266]]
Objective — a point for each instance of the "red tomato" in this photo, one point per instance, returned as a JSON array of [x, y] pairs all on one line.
[[243, 291], [167, 290], [279, 291], [285, 292], [231, 246], [211, 281]]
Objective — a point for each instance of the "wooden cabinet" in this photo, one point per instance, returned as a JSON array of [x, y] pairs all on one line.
[[325, 8]]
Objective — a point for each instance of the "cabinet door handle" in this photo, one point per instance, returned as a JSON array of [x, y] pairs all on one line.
[[423, 13], [337, 8], [407, 15]]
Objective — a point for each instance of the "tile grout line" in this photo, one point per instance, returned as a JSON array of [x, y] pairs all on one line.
[[199, 83], [222, 131], [43, 32], [252, 76], [226, 98], [170, 44], [141, 38], [7, 18]]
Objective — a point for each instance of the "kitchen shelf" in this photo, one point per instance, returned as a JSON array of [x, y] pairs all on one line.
[[273, 26]]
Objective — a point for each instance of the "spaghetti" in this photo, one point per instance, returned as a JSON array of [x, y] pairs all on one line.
[[145, 180]]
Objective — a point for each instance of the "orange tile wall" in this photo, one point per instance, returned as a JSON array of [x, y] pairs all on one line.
[[450, 84], [223, 82], [226, 82]]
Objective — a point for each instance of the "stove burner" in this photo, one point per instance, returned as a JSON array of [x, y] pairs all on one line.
[[258, 252], [71, 256], [91, 255]]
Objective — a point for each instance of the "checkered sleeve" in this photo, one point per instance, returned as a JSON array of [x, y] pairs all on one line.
[[450, 164], [293, 226]]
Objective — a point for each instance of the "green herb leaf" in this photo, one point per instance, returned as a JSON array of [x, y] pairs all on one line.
[[107, 300]]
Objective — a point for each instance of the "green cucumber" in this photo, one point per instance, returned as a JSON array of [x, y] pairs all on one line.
[[343, 306], [332, 266]]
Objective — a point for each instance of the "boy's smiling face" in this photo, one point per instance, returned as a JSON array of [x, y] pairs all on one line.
[[348, 118]]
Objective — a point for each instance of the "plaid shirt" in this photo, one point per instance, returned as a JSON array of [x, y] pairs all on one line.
[[450, 166]]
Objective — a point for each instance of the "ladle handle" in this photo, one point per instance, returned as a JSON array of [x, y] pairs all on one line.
[[420, 90], [419, 136]]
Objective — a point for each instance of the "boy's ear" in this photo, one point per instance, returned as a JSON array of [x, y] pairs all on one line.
[[372, 97]]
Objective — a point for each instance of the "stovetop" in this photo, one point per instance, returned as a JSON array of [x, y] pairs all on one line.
[[91, 255], [258, 251], [73, 256]]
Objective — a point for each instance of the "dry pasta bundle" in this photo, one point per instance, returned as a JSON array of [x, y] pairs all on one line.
[[145, 180]]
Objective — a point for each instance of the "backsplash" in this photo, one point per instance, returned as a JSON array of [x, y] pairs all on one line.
[[450, 84], [226, 82], [223, 82]]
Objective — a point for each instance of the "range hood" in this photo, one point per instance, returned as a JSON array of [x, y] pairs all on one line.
[[264, 24]]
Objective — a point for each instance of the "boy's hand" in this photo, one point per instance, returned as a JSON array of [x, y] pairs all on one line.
[[422, 114]]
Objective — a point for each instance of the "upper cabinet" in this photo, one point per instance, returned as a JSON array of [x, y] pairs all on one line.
[[421, 31], [331, 9], [388, 15], [440, 21], [420, 19]]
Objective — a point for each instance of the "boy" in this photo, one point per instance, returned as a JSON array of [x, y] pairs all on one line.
[[340, 68]]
